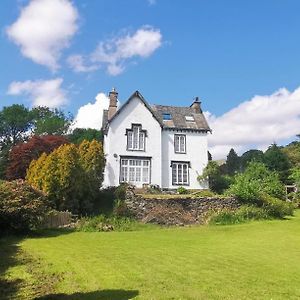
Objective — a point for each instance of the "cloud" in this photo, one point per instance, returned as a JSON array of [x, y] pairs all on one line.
[[41, 92], [90, 115], [256, 123], [114, 54], [43, 29]]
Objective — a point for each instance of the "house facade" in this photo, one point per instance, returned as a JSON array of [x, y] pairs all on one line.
[[154, 144]]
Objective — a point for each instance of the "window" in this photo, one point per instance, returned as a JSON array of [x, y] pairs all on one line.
[[179, 143], [135, 170], [189, 118], [136, 138], [167, 116], [180, 173]]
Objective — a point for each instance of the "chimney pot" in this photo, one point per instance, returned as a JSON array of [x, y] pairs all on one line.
[[196, 106]]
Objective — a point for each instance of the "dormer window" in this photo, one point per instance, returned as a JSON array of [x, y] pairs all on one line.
[[136, 138], [167, 116], [179, 143], [189, 118]]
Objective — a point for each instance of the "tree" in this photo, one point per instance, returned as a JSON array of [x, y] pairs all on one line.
[[232, 162], [292, 150], [70, 176], [50, 121], [15, 122], [80, 134], [251, 155], [276, 160], [22, 154], [217, 182]]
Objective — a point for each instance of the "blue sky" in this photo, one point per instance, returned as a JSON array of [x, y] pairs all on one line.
[[225, 52]]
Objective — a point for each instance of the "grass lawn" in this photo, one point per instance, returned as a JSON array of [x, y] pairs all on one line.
[[258, 260]]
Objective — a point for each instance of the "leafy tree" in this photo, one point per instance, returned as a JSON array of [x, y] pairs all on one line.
[[15, 121], [295, 176], [80, 134], [50, 121], [293, 152], [251, 155], [217, 182], [22, 154], [232, 162], [70, 176], [276, 160]]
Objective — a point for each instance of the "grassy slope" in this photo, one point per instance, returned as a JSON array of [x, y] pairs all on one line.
[[259, 260]]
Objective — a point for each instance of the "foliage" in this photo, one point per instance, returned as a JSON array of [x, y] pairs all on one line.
[[232, 162], [243, 214], [49, 121], [22, 208], [295, 177], [22, 154], [251, 155], [217, 182], [4, 154], [78, 135], [293, 152], [276, 208], [15, 121], [276, 160], [182, 190], [120, 192], [70, 176], [116, 223], [204, 193], [256, 179], [120, 208]]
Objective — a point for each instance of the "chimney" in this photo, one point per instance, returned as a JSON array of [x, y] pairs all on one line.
[[113, 99], [196, 106]]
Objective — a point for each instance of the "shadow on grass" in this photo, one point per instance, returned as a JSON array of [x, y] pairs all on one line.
[[9, 258], [96, 295]]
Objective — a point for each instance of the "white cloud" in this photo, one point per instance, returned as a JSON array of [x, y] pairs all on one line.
[[41, 92], [43, 29], [115, 53], [90, 115], [256, 123], [78, 64]]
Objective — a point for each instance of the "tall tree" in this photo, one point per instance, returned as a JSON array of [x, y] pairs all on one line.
[[276, 160], [50, 121], [232, 162]]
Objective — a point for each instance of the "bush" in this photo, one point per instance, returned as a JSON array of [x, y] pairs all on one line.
[[120, 208], [120, 192], [181, 190], [22, 208], [277, 208], [244, 214], [103, 223]]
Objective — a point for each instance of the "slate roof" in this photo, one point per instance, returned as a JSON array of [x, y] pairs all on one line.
[[178, 116]]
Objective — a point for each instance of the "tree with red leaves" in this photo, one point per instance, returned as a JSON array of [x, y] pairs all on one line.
[[22, 154]]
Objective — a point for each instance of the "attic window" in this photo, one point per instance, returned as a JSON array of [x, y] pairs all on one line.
[[167, 116], [189, 118]]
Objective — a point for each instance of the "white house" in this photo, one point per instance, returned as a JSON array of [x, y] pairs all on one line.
[[154, 144]]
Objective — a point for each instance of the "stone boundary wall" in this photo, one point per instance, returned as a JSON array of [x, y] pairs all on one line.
[[176, 211]]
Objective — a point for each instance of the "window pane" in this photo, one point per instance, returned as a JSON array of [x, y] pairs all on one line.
[[176, 143], [129, 139], [174, 173], [185, 173], [182, 143], [138, 174], [131, 174], [141, 141], [179, 166], [145, 175]]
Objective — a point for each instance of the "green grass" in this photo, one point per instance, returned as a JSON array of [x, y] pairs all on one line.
[[257, 260]]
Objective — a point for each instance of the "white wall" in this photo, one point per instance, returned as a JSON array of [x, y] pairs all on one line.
[[196, 154], [116, 140]]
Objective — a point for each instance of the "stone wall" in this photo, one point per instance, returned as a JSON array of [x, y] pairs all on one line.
[[176, 211]]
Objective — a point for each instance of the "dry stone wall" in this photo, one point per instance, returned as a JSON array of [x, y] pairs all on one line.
[[176, 211]]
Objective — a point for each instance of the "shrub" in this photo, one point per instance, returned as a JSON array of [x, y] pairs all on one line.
[[22, 208], [243, 214], [120, 192], [256, 179], [120, 208], [181, 190], [276, 208], [70, 176], [204, 194]]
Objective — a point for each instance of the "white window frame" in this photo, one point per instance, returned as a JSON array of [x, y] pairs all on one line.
[[179, 143], [180, 173], [136, 138], [135, 170]]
